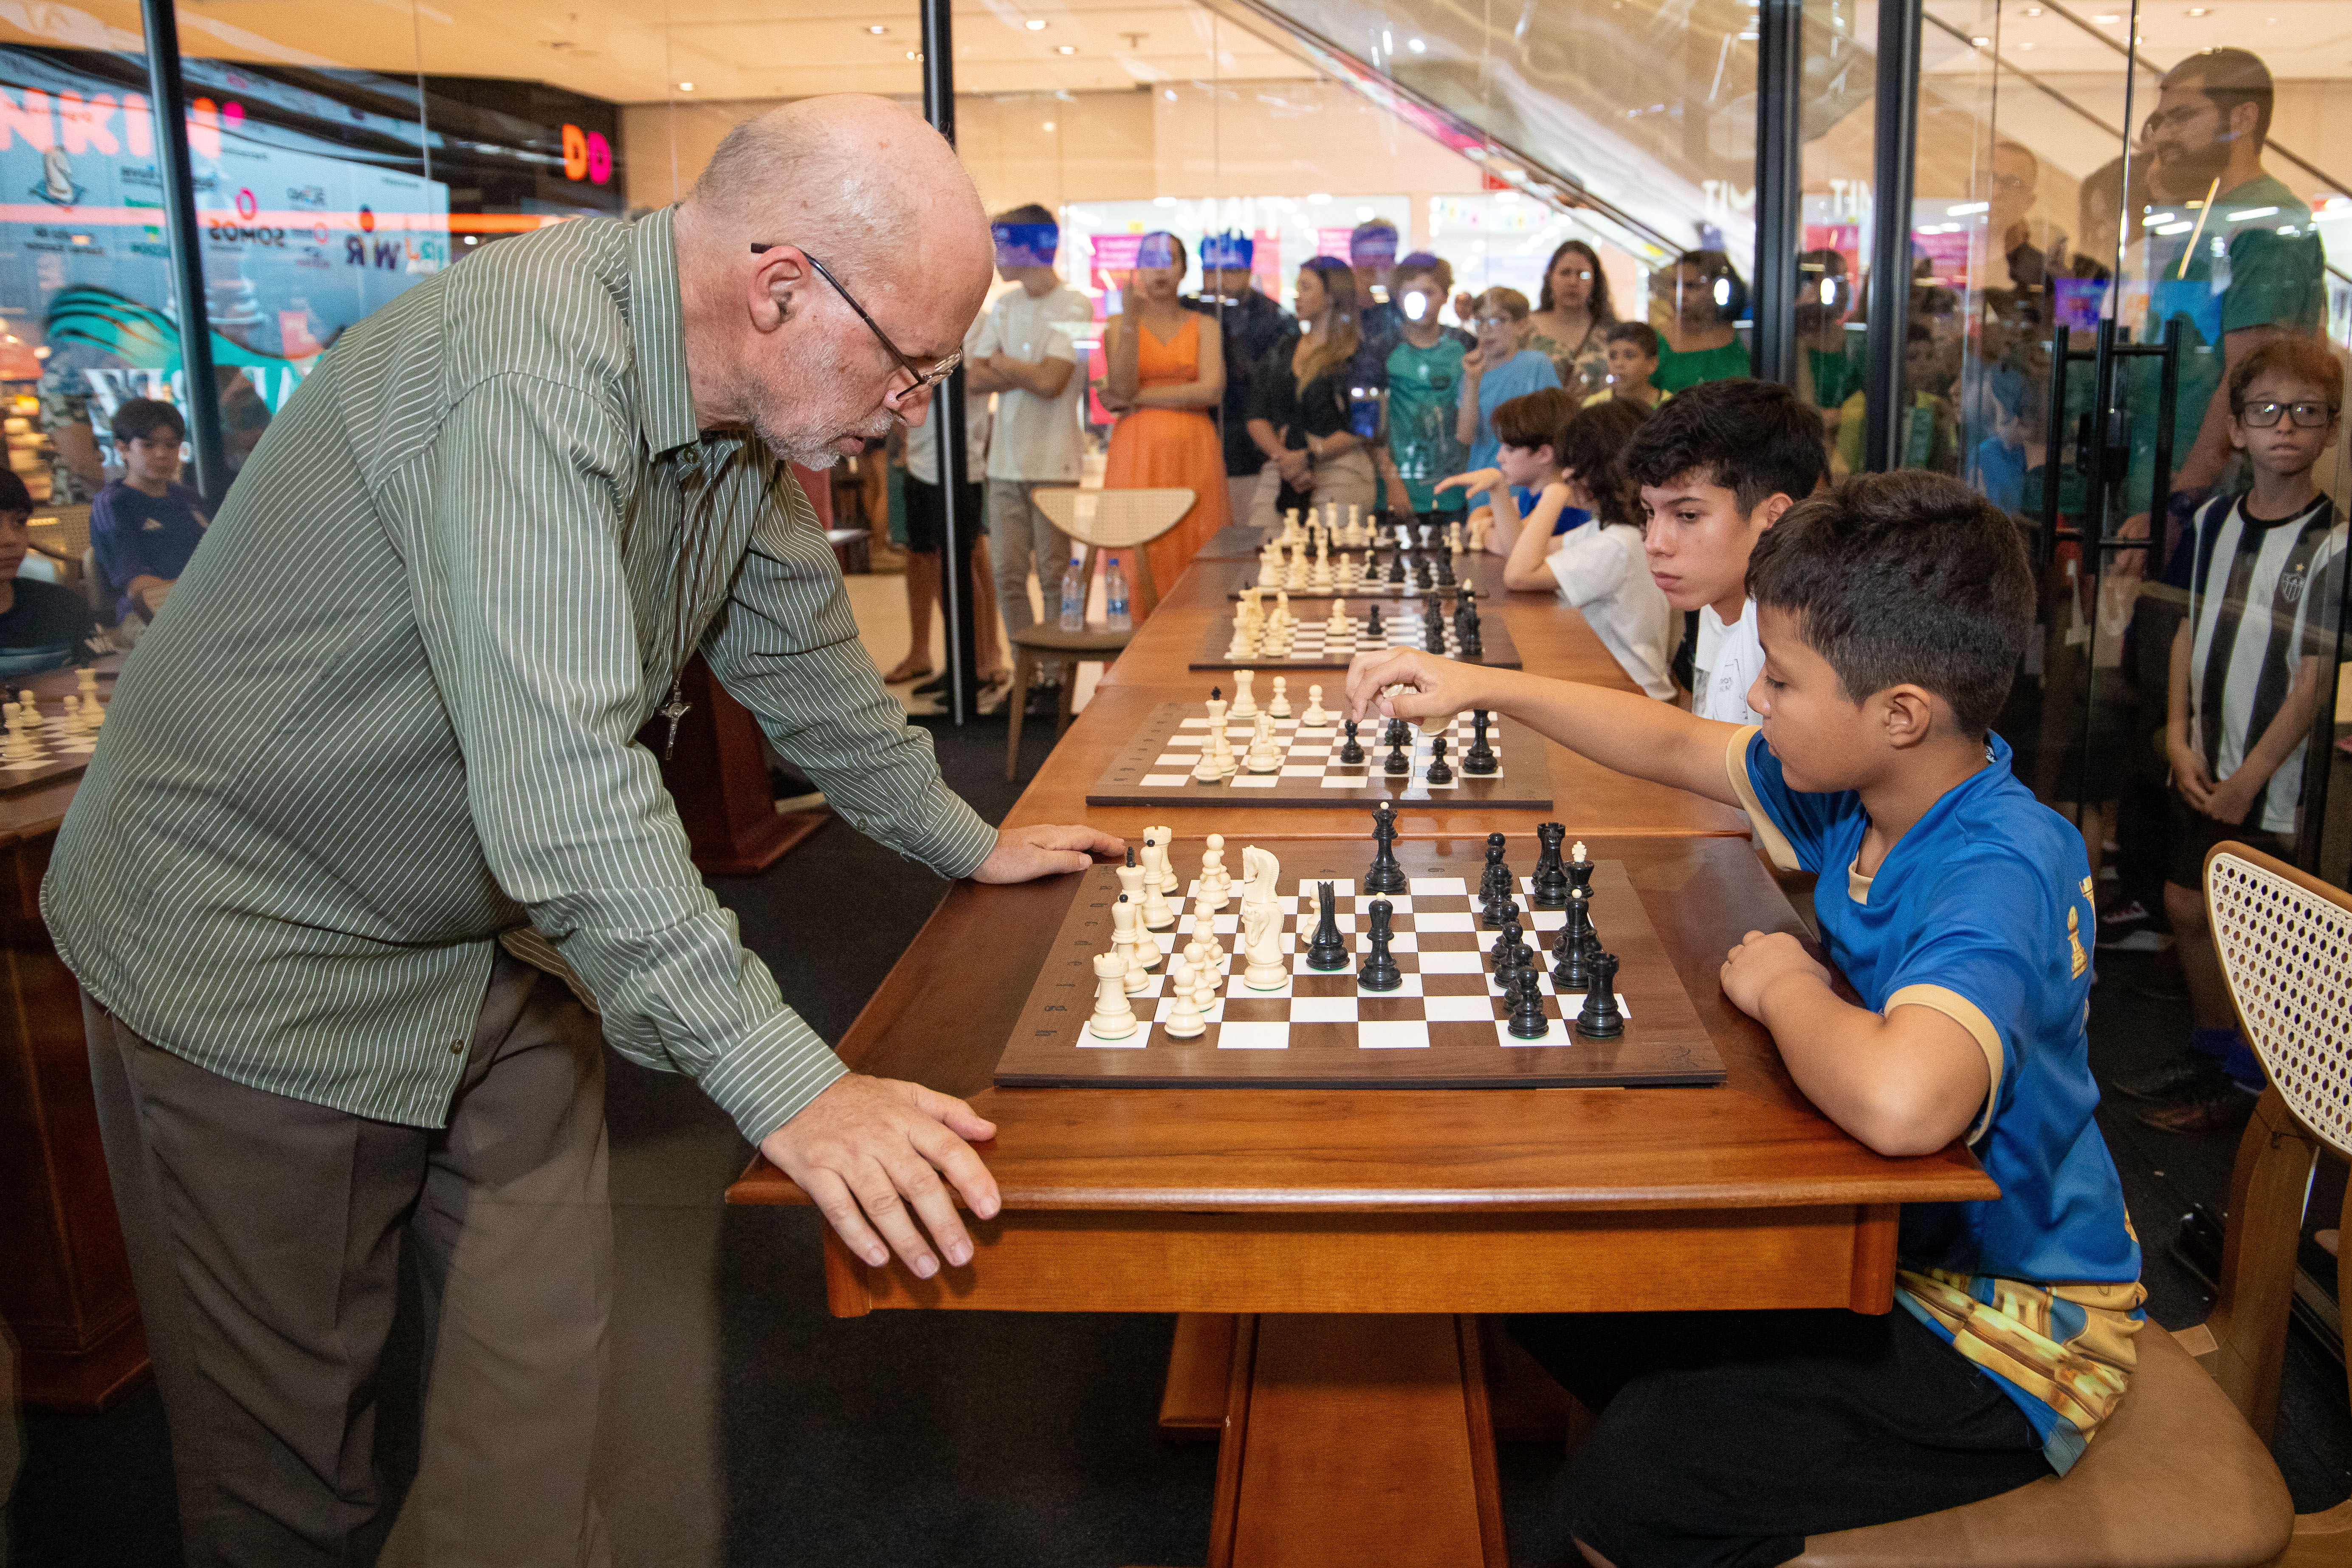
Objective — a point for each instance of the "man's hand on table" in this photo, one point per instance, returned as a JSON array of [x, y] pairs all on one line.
[[869, 1151], [1046, 850]]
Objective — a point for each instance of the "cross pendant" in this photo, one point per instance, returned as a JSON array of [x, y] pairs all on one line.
[[674, 710]]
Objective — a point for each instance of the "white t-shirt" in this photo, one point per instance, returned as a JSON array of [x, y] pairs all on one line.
[[1037, 438], [1601, 571], [1728, 658], [923, 443]]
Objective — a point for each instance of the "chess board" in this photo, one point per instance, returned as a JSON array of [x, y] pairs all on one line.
[[64, 757], [1379, 589], [1312, 646], [1445, 1027], [1156, 768]]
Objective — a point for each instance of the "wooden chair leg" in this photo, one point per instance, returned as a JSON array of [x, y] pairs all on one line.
[[1016, 702], [1061, 708]]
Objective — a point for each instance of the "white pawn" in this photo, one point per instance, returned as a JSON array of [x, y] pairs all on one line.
[[1215, 885], [1280, 707], [1245, 700], [1339, 624], [1183, 1013], [1323, 568], [93, 712], [1454, 538], [1114, 1018], [1315, 717], [1129, 941], [1265, 756], [1159, 914]]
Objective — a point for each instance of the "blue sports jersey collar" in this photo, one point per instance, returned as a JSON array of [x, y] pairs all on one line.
[[1995, 775]]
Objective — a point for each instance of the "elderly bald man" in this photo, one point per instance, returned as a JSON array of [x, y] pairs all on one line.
[[367, 863]]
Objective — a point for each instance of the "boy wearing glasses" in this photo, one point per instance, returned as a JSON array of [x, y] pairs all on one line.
[[2263, 574]]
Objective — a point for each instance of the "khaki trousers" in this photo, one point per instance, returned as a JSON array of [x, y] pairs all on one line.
[[265, 1237]]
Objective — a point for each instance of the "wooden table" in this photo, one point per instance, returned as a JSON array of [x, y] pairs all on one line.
[[1333, 1255]]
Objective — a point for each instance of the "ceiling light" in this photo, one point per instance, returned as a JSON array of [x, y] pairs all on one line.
[[2106, 18], [2033, 10], [1047, 126], [1981, 41], [1065, 49], [1036, 23], [2026, 46], [685, 87], [877, 31], [2200, 10], [1416, 45]]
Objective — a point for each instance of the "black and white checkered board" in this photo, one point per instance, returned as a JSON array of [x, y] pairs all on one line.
[[1480, 571], [1312, 646], [1446, 1024], [1157, 770]]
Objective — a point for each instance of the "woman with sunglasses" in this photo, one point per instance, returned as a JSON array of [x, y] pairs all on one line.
[[1571, 321], [1162, 375]]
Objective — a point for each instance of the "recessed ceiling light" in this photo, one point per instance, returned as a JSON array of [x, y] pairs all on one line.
[[2027, 45], [1036, 23], [1047, 126], [685, 87], [1065, 49], [877, 31], [1981, 41], [2200, 10], [2106, 18], [2033, 10], [1415, 45]]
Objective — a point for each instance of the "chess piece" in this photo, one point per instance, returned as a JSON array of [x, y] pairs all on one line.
[[1373, 630], [1211, 765], [1351, 750], [1385, 876], [1184, 1011], [1327, 950], [1133, 943], [1398, 764], [1495, 883], [1572, 951], [1445, 571], [1337, 625], [1215, 884], [1396, 566], [1439, 772], [1580, 873], [1479, 760], [1380, 970], [1396, 734], [1527, 1020], [1265, 756], [1280, 707], [1158, 858], [1599, 1019], [1315, 717], [1432, 627], [93, 712], [1322, 576], [1261, 948], [1245, 700], [1454, 538], [1424, 575], [1550, 891], [1511, 951], [1114, 1017], [1269, 566], [1157, 914]]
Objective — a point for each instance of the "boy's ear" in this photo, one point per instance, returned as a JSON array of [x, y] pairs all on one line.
[[1768, 511], [1907, 715]]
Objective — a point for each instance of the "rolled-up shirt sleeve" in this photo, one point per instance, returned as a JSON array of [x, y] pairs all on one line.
[[786, 646], [525, 611]]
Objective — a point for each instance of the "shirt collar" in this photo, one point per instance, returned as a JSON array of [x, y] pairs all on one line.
[[657, 324]]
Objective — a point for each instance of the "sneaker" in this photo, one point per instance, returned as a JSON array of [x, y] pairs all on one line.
[[2218, 1106], [2129, 926], [2169, 1079]]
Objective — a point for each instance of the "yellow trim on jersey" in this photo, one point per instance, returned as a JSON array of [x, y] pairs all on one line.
[[1768, 832], [1857, 886], [1968, 1016]]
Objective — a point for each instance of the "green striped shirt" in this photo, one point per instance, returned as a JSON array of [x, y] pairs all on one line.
[[387, 715]]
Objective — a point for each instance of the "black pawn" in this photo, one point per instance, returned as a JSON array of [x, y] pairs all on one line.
[[1380, 970], [1599, 1019], [1573, 951], [1551, 881], [1396, 734], [1446, 570], [1385, 876], [1492, 876], [1425, 575], [1351, 752], [1396, 566], [1328, 951], [1479, 761], [1399, 765], [1440, 772], [1432, 627], [1511, 953], [1372, 628], [1527, 1020], [1500, 887]]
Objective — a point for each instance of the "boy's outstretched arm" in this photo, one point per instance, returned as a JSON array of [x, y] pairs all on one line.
[[1908, 1083], [1622, 729]]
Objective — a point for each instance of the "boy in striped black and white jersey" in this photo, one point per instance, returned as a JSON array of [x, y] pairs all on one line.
[[2263, 573]]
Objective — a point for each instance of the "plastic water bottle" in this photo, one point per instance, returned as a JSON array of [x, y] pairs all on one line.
[[1115, 598], [1074, 599]]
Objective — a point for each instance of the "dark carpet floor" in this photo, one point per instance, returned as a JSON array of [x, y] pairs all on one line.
[[753, 1429]]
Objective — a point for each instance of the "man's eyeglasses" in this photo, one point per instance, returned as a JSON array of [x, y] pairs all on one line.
[[924, 379], [2306, 416]]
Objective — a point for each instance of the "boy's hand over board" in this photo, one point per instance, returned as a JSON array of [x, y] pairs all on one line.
[[1431, 685], [1761, 961]]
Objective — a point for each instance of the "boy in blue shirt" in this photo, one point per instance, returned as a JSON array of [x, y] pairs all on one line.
[[145, 525], [1892, 611]]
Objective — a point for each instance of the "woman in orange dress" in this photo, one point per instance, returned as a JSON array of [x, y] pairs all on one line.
[[1163, 372]]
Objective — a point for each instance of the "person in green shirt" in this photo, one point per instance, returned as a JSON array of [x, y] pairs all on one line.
[[2251, 265], [1424, 384], [1706, 295], [351, 961]]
